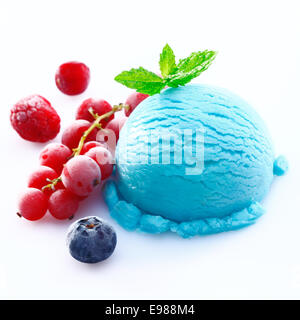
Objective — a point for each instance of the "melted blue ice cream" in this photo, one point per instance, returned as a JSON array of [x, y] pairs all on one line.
[[234, 151]]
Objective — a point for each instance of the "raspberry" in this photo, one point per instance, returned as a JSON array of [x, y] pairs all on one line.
[[35, 119], [63, 204], [55, 155], [134, 100], [72, 78], [99, 106], [74, 132]]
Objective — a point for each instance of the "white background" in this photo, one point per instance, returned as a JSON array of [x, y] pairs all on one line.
[[259, 51]]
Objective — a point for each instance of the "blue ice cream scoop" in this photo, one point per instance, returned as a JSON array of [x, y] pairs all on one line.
[[194, 160]]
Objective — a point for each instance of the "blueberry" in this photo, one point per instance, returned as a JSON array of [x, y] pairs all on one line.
[[91, 240]]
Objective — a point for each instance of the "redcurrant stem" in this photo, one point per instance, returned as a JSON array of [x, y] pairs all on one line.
[[95, 124], [91, 111], [52, 184]]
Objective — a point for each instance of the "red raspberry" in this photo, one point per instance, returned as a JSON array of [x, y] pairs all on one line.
[[99, 106], [35, 119], [133, 101], [72, 77], [73, 133]]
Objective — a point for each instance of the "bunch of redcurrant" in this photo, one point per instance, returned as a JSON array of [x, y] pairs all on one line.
[[69, 171]]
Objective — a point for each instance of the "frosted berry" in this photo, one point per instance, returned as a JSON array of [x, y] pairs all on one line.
[[104, 160], [63, 204], [32, 204], [38, 179], [35, 119], [73, 133], [116, 125], [72, 77], [99, 106], [133, 101], [91, 240], [92, 144], [81, 175], [55, 155], [107, 138]]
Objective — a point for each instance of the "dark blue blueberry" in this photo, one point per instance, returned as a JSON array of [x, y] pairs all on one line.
[[91, 240]]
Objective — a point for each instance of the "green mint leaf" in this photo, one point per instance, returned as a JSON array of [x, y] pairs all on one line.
[[167, 61], [181, 79], [197, 59], [142, 80], [190, 68]]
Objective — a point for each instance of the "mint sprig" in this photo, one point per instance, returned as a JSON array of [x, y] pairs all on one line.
[[172, 74]]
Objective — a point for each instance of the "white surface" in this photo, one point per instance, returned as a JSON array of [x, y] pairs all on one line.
[[259, 51]]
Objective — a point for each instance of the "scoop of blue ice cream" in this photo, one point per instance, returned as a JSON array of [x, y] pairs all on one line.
[[227, 138]]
